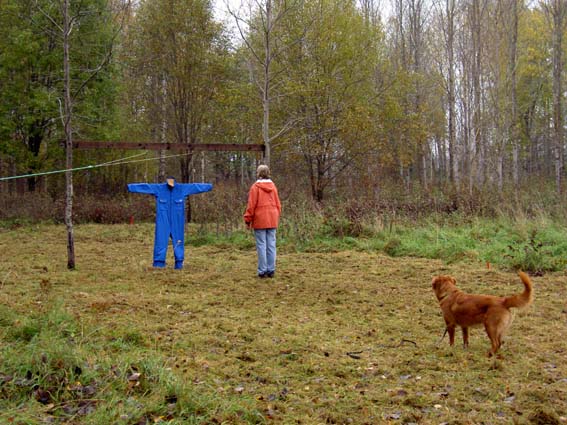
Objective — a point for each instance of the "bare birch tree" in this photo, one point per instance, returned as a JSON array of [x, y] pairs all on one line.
[[512, 71], [68, 21], [371, 11], [449, 35], [447, 14], [68, 114], [497, 91], [259, 27], [556, 11]]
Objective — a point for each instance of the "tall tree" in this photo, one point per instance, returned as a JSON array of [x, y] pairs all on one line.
[[260, 28], [556, 11], [514, 17], [69, 20], [68, 130], [371, 11], [332, 72], [476, 14], [454, 157], [58, 27], [535, 90], [446, 14], [177, 59], [410, 54], [31, 77]]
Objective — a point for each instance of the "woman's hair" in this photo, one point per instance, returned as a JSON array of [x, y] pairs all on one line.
[[263, 172]]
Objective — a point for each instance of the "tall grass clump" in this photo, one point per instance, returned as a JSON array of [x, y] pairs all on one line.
[[536, 247]]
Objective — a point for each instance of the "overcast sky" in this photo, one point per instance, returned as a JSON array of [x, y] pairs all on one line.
[[221, 13]]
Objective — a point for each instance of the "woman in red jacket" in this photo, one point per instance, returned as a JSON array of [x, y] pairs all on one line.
[[263, 215]]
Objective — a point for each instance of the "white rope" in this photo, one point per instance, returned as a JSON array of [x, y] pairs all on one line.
[[120, 161]]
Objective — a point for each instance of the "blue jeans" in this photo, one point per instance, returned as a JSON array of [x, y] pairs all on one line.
[[266, 249]]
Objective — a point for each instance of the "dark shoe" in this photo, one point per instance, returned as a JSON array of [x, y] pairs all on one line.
[[262, 275], [271, 274]]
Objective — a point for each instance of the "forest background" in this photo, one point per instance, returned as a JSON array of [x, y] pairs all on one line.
[[371, 114]]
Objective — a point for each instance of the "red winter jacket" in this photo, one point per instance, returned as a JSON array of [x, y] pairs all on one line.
[[264, 207]]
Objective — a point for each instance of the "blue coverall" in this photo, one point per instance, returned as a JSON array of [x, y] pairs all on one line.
[[170, 216]]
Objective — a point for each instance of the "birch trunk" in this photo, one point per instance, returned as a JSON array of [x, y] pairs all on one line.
[[558, 13], [453, 149], [514, 98], [266, 88], [476, 169], [68, 108]]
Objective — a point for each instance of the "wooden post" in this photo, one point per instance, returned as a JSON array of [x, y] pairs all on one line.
[[175, 147]]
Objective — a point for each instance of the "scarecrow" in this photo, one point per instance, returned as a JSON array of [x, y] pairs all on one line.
[[170, 215]]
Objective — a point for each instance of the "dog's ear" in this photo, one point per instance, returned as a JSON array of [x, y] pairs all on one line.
[[453, 280], [434, 282]]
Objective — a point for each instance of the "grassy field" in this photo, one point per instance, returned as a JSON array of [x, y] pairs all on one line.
[[346, 337]]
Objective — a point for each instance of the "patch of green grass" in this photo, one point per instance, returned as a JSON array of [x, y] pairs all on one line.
[[61, 375], [536, 246]]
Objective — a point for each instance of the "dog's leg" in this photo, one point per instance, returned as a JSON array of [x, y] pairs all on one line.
[[493, 349], [441, 340], [451, 330], [492, 330], [465, 337]]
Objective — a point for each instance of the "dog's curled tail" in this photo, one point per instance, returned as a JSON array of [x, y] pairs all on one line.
[[523, 299]]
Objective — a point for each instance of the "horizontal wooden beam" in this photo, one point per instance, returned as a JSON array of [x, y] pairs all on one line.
[[178, 147]]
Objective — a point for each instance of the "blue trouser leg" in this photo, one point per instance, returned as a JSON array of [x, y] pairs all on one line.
[[260, 235], [178, 235], [271, 250], [179, 252], [160, 246]]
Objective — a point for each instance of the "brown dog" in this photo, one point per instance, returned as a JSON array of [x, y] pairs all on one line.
[[466, 310]]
